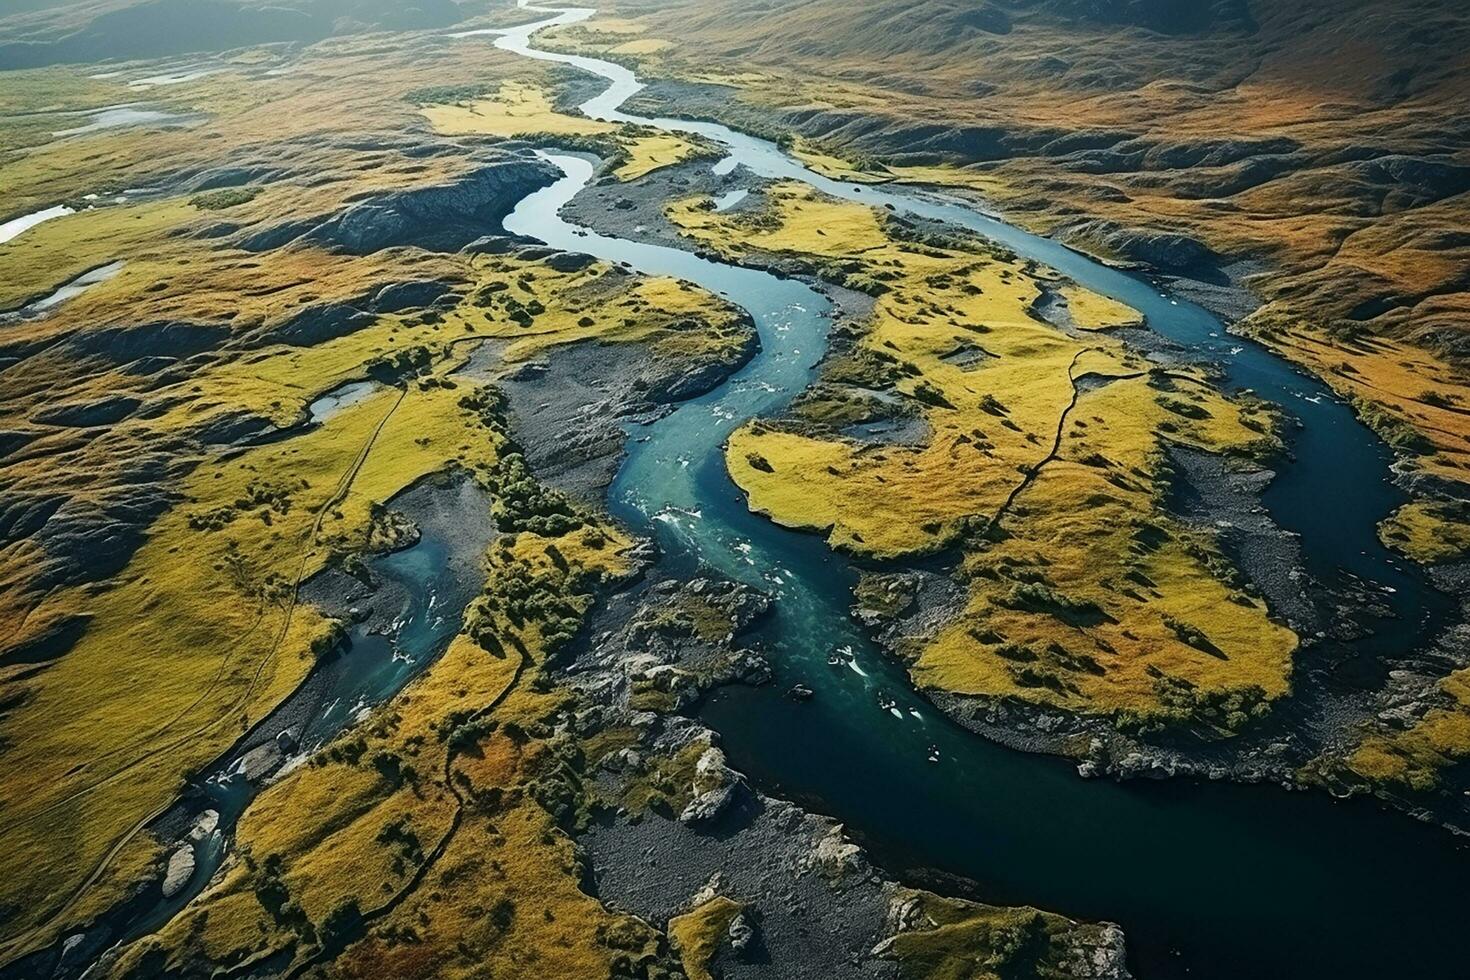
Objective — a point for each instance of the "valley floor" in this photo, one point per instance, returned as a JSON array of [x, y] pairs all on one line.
[[328, 651]]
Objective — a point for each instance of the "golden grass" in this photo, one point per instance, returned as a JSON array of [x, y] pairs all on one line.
[[340, 90], [1082, 593], [1428, 532], [829, 165], [641, 46], [607, 37], [953, 938], [696, 935], [518, 109], [1414, 757], [472, 871], [200, 635], [197, 636], [1093, 311], [523, 110], [1339, 240], [983, 182], [1417, 401], [649, 153], [60, 250]]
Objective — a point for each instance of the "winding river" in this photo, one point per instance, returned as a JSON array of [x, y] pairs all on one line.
[[1209, 880]]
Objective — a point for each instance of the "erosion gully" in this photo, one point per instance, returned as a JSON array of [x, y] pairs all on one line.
[[1209, 880]]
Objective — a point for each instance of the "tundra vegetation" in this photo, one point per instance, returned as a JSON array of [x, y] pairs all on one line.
[[317, 208], [1309, 152], [302, 220], [1042, 469], [1307, 158], [166, 496]]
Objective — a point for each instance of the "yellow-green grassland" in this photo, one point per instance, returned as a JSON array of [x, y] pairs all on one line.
[[1041, 464], [125, 409], [266, 342], [1284, 140], [304, 220]]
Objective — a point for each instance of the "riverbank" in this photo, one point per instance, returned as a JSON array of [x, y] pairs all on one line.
[[1320, 722], [757, 750]]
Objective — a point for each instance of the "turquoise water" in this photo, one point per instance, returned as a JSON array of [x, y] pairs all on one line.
[[1209, 880], [433, 589]]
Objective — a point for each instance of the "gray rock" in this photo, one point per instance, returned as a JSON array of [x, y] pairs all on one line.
[[1164, 250], [838, 858], [100, 411], [180, 870], [408, 295], [443, 217], [715, 784]]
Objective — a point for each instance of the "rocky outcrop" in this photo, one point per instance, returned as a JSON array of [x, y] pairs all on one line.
[[1164, 250], [97, 411], [399, 296], [443, 217], [321, 322], [83, 529], [838, 858], [715, 785], [126, 344]]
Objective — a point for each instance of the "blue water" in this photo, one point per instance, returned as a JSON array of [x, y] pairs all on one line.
[[368, 670], [1208, 880]]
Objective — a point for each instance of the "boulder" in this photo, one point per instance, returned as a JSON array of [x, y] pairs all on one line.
[[837, 857], [715, 784], [180, 870]]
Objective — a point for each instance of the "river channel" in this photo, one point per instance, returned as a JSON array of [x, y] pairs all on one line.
[[1208, 880]]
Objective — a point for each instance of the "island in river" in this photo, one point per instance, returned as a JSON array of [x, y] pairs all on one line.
[[499, 491]]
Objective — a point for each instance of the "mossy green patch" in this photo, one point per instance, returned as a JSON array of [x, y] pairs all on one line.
[[1429, 531], [1414, 757], [698, 934], [951, 939]]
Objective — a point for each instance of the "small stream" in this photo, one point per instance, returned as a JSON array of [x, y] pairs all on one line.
[[117, 116], [1216, 881], [69, 291], [400, 624]]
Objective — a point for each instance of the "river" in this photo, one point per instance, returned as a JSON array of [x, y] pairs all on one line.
[[1208, 880]]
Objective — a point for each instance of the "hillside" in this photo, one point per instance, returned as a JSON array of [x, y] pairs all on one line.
[[105, 30], [1317, 152]]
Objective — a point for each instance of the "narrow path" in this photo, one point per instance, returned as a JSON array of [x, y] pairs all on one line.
[[339, 493], [1056, 445], [432, 858]]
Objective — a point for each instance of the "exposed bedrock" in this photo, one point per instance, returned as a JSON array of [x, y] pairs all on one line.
[[441, 217], [1168, 251]]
